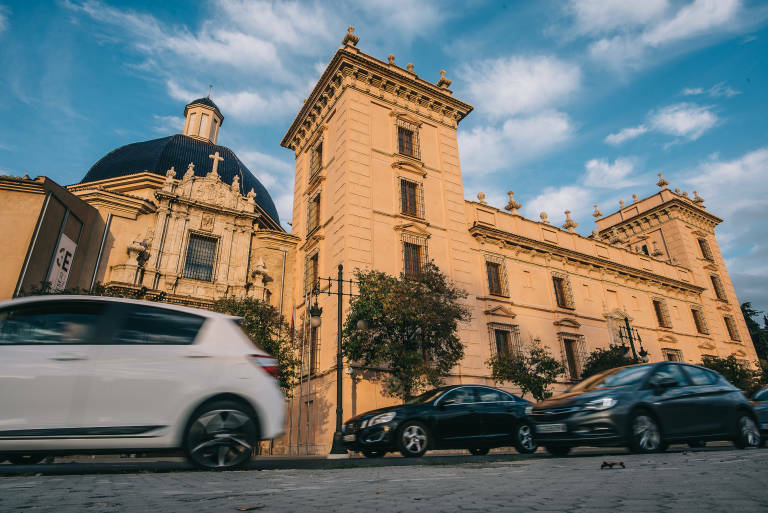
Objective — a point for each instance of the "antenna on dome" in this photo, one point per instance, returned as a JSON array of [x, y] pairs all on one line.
[[210, 89]]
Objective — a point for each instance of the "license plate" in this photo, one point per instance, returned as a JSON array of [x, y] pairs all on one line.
[[550, 428], [349, 438]]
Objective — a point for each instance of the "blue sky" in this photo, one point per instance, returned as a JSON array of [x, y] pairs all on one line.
[[576, 103]]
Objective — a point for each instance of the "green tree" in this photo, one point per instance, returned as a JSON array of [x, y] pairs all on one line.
[[734, 371], [533, 369], [410, 330], [601, 360], [267, 328], [758, 335]]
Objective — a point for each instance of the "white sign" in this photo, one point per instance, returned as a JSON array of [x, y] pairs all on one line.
[[62, 263]]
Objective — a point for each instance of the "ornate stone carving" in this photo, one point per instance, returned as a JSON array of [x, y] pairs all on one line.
[[698, 199], [512, 205], [236, 184], [443, 82], [662, 183], [481, 197], [391, 59], [570, 224], [409, 67], [543, 217], [597, 214], [350, 38], [190, 172]]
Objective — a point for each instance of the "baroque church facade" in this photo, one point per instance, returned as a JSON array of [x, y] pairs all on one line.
[[378, 185]]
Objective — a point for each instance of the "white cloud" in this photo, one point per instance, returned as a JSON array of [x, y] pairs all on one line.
[[716, 91], [686, 120], [487, 149], [602, 173], [694, 19], [733, 189], [626, 134], [521, 85], [4, 15], [600, 16], [169, 124], [556, 200]]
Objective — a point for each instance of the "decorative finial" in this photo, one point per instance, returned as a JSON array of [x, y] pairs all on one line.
[[543, 217], [391, 59], [190, 171], [621, 203], [210, 90], [481, 197], [251, 195], [513, 205], [236, 184], [350, 38], [170, 174], [409, 67], [634, 198], [595, 235], [443, 83], [685, 194], [569, 224], [597, 214], [677, 190], [662, 183], [697, 199]]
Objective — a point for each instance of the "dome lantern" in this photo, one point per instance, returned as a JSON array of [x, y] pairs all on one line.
[[203, 119]]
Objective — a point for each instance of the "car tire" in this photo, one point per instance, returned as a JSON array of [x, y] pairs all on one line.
[[374, 454], [645, 434], [478, 451], [523, 438], [558, 450], [221, 436], [747, 432], [413, 439], [697, 444], [25, 459]]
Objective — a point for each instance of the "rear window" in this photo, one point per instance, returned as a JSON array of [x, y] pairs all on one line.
[[157, 326], [700, 376], [52, 322]]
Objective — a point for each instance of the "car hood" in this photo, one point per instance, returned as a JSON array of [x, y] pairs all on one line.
[[574, 398], [379, 411]]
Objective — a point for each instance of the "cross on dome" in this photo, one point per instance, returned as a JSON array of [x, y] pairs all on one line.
[[216, 159]]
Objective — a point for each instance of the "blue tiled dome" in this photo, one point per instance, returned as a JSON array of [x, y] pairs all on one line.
[[177, 151]]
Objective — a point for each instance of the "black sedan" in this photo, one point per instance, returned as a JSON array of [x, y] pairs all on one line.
[[646, 407], [760, 403], [471, 417]]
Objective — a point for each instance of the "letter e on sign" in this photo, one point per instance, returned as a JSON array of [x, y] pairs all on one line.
[[62, 263]]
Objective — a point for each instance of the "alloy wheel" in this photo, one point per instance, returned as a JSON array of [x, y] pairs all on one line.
[[748, 432], [221, 439], [646, 433], [525, 442], [414, 440]]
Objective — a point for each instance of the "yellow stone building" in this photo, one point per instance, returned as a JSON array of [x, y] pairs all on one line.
[[378, 185]]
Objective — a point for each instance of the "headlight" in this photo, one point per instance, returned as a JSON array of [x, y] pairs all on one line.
[[529, 410], [381, 419], [601, 404]]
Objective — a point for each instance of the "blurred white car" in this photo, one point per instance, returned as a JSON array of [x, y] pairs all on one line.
[[82, 373]]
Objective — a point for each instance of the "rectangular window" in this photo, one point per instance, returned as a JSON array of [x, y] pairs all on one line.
[[313, 214], [717, 285], [412, 258], [316, 159], [205, 128], [573, 350], [311, 272], [672, 355], [662, 314], [706, 251], [502, 342], [505, 339], [411, 198], [698, 320], [192, 130], [563, 294], [730, 325], [52, 322], [201, 253], [158, 326], [406, 141], [493, 270]]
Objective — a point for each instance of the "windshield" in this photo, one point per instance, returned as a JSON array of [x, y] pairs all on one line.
[[426, 397], [619, 377]]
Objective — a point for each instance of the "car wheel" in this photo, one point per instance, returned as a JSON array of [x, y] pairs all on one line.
[[479, 451], [26, 459], [697, 444], [558, 450], [747, 433], [374, 454], [645, 436], [221, 436], [413, 439], [524, 442]]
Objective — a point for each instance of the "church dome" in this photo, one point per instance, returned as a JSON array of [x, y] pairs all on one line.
[[177, 151]]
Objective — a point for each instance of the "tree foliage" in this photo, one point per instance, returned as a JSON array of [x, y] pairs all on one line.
[[734, 371], [533, 369], [266, 327], [411, 328], [759, 335], [601, 360]]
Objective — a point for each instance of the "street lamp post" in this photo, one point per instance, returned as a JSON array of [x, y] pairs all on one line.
[[631, 334]]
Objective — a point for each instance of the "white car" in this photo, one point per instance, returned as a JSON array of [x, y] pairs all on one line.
[[83, 373]]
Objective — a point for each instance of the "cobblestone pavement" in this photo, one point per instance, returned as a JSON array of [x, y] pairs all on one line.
[[717, 479]]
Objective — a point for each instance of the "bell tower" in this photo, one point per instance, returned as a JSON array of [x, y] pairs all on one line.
[[203, 119]]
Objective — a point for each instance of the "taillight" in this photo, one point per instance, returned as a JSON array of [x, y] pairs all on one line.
[[267, 363]]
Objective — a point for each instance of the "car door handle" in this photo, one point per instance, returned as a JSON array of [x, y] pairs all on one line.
[[197, 355], [68, 357]]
